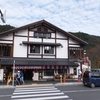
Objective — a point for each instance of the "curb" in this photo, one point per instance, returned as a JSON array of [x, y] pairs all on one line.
[[6, 86], [34, 85], [71, 83], [30, 85]]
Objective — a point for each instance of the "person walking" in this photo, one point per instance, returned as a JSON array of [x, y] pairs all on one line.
[[18, 78], [22, 78]]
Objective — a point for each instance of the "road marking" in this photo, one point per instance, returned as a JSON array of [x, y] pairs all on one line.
[[81, 90], [37, 95], [35, 92], [35, 87], [45, 98]]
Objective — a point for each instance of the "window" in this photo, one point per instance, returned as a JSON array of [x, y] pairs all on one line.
[[5, 50], [34, 49], [49, 49], [48, 72], [75, 52]]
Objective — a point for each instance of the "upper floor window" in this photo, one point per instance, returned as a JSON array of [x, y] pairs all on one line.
[[5, 50], [75, 52], [49, 49], [34, 49]]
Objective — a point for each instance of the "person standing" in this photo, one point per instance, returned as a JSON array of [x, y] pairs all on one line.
[[79, 74]]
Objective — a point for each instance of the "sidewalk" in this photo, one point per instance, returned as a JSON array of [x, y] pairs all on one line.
[[42, 83]]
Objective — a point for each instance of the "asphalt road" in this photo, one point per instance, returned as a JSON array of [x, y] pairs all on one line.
[[6, 93], [80, 92], [74, 92]]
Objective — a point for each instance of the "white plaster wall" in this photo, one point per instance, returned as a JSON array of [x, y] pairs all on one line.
[[7, 37], [62, 52], [20, 51], [73, 41], [35, 39], [52, 35], [60, 35], [31, 33], [48, 56], [49, 40], [8, 42], [23, 32], [30, 56], [74, 45]]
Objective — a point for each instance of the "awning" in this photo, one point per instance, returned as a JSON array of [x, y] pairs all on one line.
[[38, 62], [42, 43], [40, 67]]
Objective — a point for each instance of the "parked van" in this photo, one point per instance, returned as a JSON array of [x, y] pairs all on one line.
[[91, 78]]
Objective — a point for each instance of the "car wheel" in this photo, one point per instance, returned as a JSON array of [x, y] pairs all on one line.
[[92, 85], [84, 84]]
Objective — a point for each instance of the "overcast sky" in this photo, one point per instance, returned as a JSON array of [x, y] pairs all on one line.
[[69, 15]]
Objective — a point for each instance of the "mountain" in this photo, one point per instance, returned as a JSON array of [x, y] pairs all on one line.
[[92, 49], [5, 28]]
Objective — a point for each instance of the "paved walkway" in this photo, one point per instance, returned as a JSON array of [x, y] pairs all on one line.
[[42, 83]]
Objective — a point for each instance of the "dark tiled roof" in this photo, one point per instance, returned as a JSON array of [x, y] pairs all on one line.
[[21, 61]]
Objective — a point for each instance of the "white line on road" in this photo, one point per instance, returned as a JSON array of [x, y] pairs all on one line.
[[45, 98], [37, 95], [35, 92], [81, 90]]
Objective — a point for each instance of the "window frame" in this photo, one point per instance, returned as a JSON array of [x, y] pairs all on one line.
[[49, 50], [35, 46]]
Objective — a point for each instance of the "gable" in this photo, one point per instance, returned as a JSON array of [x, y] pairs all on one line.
[[44, 26]]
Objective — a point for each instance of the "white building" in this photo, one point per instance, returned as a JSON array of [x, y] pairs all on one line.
[[40, 47]]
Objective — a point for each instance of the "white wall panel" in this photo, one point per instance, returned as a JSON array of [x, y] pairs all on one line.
[[35, 39], [52, 35], [7, 37], [7, 42], [62, 51], [20, 51], [48, 56], [74, 45], [23, 32], [49, 40], [60, 35], [73, 41], [30, 56]]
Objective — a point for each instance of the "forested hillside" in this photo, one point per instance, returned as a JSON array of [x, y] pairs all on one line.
[[93, 47], [5, 28]]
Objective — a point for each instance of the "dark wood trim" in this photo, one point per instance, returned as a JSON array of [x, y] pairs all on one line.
[[55, 42], [28, 40], [13, 44], [42, 49]]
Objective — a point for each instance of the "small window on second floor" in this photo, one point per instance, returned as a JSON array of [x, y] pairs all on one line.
[[34, 49], [49, 49]]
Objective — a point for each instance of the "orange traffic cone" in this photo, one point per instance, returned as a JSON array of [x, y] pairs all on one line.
[[79, 80]]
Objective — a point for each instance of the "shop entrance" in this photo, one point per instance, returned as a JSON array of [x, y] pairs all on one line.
[[29, 74]]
